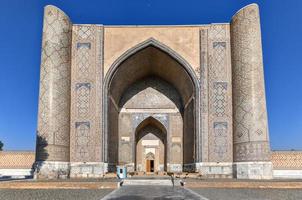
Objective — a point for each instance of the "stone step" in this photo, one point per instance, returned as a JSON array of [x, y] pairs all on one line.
[[166, 182]]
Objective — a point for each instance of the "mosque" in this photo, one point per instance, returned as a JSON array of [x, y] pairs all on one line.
[[153, 99]]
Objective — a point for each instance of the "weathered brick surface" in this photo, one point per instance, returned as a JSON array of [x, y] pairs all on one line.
[[287, 159], [16, 159]]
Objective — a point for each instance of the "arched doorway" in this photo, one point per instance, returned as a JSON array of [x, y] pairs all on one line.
[[151, 149], [150, 80]]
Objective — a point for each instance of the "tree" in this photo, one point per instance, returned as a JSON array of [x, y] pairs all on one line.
[[1, 145]]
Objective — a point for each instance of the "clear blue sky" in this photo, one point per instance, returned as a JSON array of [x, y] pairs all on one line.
[[20, 44]]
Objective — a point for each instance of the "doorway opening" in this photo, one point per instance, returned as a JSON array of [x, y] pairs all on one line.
[[150, 166], [151, 148]]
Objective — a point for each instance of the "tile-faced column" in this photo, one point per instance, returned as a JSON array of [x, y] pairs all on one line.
[[220, 95], [251, 141], [54, 99], [86, 101], [204, 95]]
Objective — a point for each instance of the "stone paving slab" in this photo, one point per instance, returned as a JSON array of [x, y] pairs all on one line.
[[207, 193], [153, 193], [249, 194], [80, 184], [53, 194], [165, 182], [57, 185], [245, 184]]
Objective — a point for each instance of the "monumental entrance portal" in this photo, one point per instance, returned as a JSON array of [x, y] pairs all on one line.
[[152, 99]]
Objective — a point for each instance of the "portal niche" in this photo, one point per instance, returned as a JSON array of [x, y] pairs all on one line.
[[151, 150], [150, 113]]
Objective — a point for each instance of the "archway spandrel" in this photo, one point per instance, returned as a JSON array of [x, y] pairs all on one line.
[[183, 40]]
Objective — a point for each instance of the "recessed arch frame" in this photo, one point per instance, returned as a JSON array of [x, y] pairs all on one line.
[[162, 136], [151, 120], [188, 69]]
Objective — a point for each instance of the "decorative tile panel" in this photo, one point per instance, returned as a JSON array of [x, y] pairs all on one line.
[[139, 117], [250, 117], [220, 95], [252, 151], [287, 160], [85, 32], [86, 45], [83, 61], [220, 99], [87, 66], [204, 96], [83, 94], [82, 140], [70, 118], [220, 139], [54, 99]]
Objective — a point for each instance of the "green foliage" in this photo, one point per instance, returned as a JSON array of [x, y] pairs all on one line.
[[1, 146]]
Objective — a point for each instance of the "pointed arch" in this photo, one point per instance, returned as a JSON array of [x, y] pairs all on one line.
[[151, 122], [187, 72], [155, 43], [153, 126]]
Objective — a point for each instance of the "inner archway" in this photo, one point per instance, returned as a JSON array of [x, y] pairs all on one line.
[[151, 149], [150, 80]]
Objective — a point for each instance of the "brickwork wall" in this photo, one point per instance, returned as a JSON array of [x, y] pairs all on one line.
[[25, 159], [287, 159], [16, 159]]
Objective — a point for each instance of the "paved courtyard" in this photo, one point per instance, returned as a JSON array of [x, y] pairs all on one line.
[[53, 194], [151, 192], [250, 194]]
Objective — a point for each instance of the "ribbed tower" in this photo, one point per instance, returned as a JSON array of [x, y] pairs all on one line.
[[52, 157], [251, 140]]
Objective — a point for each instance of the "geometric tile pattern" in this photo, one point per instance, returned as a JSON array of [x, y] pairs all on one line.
[[281, 160], [218, 33], [83, 59], [54, 99], [82, 140], [204, 94], [250, 117], [137, 118], [83, 93], [287, 159], [82, 135], [220, 138], [252, 151], [219, 58], [17, 159], [71, 86], [85, 33], [86, 93], [220, 98], [220, 95]]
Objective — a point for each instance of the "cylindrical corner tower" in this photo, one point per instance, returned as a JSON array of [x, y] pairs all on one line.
[[251, 140], [52, 151]]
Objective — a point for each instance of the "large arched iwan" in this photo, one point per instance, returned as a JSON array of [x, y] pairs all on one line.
[[151, 80]]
